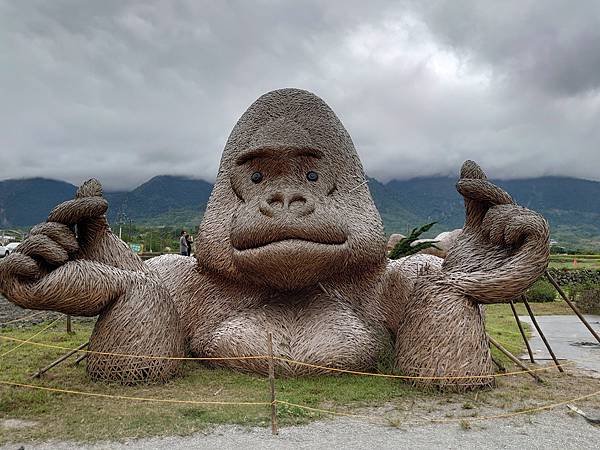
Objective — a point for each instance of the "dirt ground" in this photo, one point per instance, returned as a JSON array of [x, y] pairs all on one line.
[[10, 312], [552, 429], [556, 428]]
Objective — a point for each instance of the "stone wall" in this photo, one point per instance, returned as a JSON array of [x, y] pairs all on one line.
[[575, 276]]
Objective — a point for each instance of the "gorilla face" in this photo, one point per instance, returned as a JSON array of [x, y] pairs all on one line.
[[283, 232], [290, 206]]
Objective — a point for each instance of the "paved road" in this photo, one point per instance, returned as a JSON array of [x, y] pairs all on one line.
[[569, 339], [554, 429]]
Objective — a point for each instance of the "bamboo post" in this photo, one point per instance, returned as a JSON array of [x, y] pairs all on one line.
[[69, 328], [523, 335], [572, 305], [514, 359], [80, 358], [539, 330], [274, 429], [58, 361], [501, 368]]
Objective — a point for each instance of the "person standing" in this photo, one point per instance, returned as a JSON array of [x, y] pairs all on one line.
[[189, 240], [183, 245]]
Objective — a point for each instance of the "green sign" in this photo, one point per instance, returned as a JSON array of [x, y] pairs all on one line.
[[136, 248]]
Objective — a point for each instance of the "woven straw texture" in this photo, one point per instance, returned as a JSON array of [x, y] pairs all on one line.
[[291, 243]]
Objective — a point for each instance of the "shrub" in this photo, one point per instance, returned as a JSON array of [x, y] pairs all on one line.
[[541, 291], [588, 299], [405, 247]]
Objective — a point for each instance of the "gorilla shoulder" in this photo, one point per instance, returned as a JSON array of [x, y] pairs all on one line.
[[175, 271]]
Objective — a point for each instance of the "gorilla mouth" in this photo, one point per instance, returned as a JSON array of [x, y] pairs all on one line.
[[291, 254], [298, 241], [291, 263], [254, 239]]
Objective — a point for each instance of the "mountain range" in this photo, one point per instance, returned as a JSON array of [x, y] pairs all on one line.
[[571, 205]]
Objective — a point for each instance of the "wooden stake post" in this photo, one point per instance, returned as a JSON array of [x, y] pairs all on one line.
[[501, 368], [523, 335], [539, 330], [572, 305], [80, 358], [58, 361], [274, 429], [514, 359]]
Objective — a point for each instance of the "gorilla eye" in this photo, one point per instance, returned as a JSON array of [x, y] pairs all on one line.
[[256, 177], [312, 176]]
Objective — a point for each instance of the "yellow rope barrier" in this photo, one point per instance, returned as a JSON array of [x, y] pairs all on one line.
[[28, 341], [126, 397], [316, 366], [518, 413], [308, 408], [282, 402], [408, 377], [376, 419], [447, 420], [125, 355]]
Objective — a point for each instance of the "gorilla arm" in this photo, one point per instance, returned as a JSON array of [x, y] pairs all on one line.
[[503, 249], [82, 288], [96, 274], [81, 275]]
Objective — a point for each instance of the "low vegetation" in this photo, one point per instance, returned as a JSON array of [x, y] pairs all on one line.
[[59, 415], [541, 291], [586, 296], [408, 246], [573, 261], [152, 239]]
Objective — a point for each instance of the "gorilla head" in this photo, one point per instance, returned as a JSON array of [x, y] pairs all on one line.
[[290, 206]]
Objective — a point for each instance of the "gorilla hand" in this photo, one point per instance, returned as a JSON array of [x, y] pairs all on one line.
[[95, 273], [54, 269], [96, 241], [504, 247]]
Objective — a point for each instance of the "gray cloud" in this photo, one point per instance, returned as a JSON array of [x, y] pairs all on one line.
[[127, 90]]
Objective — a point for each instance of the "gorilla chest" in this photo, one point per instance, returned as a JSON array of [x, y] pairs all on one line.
[[316, 331]]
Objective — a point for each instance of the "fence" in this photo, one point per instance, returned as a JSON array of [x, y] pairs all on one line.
[[272, 404]]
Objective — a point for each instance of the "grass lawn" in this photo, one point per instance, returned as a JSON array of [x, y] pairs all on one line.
[[581, 262], [68, 416]]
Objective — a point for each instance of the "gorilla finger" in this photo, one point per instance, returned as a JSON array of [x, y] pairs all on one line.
[[59, 233], [45, 248], [483, 191], [19, 265], [90, 188], [495, 222], [74, 211], [470, 169], [527, 224]]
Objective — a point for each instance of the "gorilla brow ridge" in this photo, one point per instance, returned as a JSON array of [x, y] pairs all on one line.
[[265, 152]]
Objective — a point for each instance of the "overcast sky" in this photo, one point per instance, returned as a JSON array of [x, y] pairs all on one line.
[[125, 90]]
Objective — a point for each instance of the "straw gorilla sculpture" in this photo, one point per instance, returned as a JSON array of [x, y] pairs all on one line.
[[290, 242]]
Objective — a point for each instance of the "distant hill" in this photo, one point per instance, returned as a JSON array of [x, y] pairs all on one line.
[[161, 199], [572, 206], [27, 202]]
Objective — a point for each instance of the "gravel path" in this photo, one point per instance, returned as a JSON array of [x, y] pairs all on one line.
[[555, 429], [9, 312]]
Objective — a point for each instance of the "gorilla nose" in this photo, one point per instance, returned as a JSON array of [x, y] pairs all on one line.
[[287, 203]]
